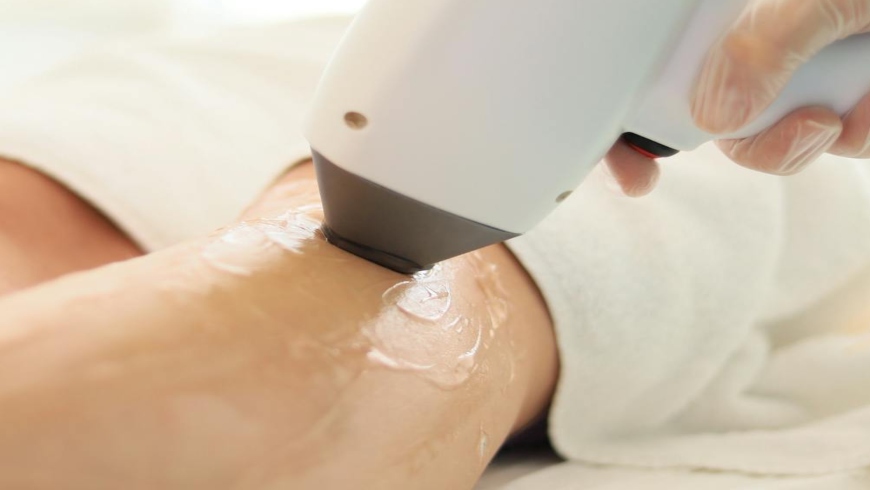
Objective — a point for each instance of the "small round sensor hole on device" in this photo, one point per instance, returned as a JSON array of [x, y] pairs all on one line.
[[563, 196], [355, 120]]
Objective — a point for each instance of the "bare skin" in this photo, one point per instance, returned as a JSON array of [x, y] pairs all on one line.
[[262, 357], [46, 231]]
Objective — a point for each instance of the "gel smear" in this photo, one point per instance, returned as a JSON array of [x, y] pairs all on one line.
[[245, 248]]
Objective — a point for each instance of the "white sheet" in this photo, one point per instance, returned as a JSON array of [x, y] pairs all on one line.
[[575, 476]]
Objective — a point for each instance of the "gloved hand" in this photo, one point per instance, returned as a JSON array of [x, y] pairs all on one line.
[[745, 73]]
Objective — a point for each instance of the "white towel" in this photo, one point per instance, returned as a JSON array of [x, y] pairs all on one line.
[[722, 323], [716, 325], [172, 139]]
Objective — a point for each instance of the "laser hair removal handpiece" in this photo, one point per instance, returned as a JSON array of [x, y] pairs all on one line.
[[444, 126]]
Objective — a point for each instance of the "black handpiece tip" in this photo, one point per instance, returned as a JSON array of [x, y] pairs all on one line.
[[383, 259], [391, 229], [648, 147]]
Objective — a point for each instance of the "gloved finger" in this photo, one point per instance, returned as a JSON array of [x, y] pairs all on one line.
[[634, 174], [789, 146], [855, 140], [750, 66]]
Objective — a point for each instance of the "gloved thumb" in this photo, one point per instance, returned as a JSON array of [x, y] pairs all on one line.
[[749, 67]]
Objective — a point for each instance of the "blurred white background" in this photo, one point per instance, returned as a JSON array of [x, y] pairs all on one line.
[[37, 34]]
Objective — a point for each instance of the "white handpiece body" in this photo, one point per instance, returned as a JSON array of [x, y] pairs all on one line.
[[492, 109]]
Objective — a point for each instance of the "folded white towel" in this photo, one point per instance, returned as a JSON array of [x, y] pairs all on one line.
[[716, 324], [172, 139]]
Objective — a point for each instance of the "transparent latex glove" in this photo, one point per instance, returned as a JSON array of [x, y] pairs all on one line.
[[745, 73]]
